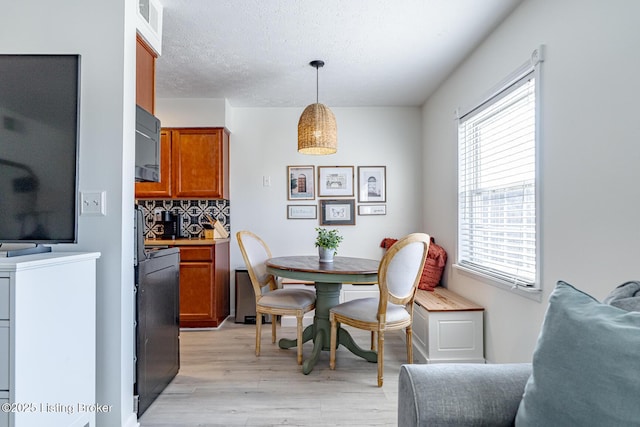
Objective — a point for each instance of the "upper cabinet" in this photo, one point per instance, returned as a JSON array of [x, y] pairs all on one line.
[[145, 75], [194, 164], [200, 163]]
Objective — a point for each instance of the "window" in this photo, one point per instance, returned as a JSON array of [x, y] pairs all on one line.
[[497, 212]]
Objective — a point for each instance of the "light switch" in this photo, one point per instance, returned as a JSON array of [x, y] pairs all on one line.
[[93, 203], [266, 181]]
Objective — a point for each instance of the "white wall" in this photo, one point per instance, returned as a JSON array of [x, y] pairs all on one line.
[[264, 142], [103, 33], [198, 112], [589, 164]]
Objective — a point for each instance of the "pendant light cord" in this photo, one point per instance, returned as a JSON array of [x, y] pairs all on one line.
[[317, 64]]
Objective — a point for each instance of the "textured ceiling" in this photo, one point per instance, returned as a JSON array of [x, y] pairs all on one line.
[[256, 53]]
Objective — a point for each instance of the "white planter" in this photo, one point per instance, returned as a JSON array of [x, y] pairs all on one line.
[[326, 255]]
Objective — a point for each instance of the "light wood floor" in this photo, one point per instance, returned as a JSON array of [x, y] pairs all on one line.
[[222, 383]]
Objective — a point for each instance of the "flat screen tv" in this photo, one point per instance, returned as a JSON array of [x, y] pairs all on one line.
[[39, 129]]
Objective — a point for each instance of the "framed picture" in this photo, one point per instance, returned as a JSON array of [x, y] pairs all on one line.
[[372, 184], [372, 209], [337, 212], [335, 181], [302, 212], [301, 182]]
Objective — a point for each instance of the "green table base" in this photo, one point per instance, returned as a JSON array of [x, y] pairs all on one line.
[[327, 296]]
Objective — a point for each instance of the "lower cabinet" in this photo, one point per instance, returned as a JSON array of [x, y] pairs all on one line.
[[4, 415], [4, 364], [48, 340], [4, 341], [4, 356], [204, 285]]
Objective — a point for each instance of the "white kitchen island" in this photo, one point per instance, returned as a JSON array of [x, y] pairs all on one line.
[[48, 340]]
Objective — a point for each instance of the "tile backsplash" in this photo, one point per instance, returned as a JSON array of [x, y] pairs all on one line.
[[193, 215]]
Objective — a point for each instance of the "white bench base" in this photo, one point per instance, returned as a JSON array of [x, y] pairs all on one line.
[[447, 328]]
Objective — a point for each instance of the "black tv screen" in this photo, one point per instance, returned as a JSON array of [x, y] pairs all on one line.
[[39, 127]]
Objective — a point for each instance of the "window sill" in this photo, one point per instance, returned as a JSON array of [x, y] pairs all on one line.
[[534, 294]]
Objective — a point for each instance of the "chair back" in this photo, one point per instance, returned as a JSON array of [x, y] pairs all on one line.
[[255, 253], [401, 269]]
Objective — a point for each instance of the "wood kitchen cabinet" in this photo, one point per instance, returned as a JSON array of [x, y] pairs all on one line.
[[200, 163], [194, 164], [204, 285], [145, 75]]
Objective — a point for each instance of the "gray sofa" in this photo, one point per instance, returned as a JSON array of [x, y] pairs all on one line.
[[460, 394], [491, 395]]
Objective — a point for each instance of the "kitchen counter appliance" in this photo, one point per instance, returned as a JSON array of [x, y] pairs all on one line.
[[171, 225]]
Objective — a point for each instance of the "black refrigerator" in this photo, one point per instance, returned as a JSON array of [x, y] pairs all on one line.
[[157, 317]]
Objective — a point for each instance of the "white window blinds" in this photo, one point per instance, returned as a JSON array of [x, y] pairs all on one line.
[[497, 185]]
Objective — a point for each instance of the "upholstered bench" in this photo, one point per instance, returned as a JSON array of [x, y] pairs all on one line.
[[447, 328]]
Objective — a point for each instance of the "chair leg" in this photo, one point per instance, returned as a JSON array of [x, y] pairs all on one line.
[[409, 345], [273, 328], [258, 332], [373, 341], [333, 342], [380, 357], [299, 326]]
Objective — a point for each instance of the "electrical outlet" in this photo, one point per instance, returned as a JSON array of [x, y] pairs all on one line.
[[157, 214], [93, 203]]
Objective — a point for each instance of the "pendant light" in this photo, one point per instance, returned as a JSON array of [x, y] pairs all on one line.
[[317, 132]]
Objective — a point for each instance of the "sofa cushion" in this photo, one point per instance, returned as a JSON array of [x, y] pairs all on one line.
[[460, 394], [586, 365], [625, 296]]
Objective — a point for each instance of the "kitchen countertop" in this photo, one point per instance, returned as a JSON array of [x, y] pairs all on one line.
[[184, 242]]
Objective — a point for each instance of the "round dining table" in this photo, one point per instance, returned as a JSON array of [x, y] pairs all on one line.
[[328, 278]]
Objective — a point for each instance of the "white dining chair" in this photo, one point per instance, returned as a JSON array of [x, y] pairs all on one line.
[[398, 277], [270, 298]]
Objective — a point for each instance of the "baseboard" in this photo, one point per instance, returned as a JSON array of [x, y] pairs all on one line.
[[132, 421]]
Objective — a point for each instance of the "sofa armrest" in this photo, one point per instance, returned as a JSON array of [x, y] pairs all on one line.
[[460, 394]]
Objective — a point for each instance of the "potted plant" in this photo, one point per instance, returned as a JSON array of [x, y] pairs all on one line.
[[327, 242]]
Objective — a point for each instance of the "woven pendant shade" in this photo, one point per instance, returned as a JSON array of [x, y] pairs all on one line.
[[317, 133]]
